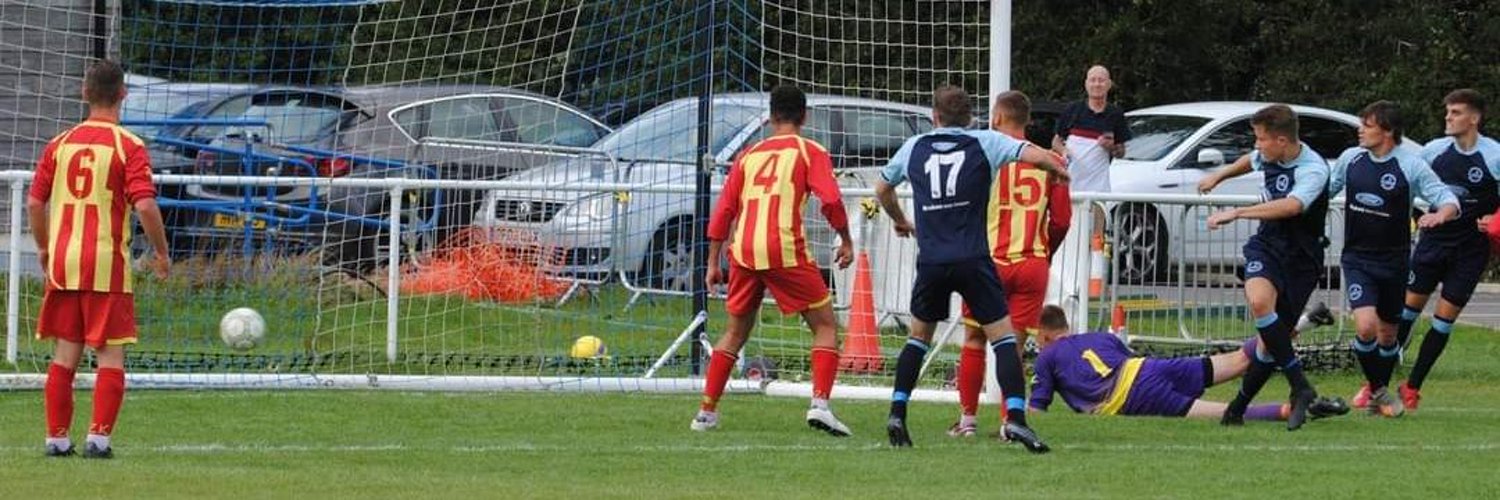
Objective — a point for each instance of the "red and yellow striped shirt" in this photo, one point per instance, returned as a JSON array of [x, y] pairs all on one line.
[[763, 199], [105, 170], [1028, 214]]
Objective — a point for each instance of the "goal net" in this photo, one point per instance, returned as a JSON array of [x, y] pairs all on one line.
[[443, 194]]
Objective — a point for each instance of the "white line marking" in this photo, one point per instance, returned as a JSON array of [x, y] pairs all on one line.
[[223, 448]]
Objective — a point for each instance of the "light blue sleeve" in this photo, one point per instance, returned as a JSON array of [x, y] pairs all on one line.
[[1491, 151], [1312, 179], [1434, 148], [1256, 161], [1339, 173], [1425, 183], [895, 171], [999, 148]]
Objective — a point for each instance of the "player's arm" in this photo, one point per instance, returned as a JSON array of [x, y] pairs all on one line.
[[1046, 160], [722, 219], [1041, 391], [1432, 189], [885, 189], [37, 197], [1311, 181], [1240, 167], [1000, 149], [1059, 216], [140, 191], [823, 185], [1490, 224]]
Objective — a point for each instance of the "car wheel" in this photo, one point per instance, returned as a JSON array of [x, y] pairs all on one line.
[[669, 263], [1141, 245]]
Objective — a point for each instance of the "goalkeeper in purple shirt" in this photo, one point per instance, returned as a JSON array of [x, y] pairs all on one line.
[[1097, 373]]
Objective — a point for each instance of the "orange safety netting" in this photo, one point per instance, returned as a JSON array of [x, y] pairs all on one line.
[[503, 266]]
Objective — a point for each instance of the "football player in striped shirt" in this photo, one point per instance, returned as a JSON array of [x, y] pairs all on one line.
[[760, 214], [1029, 212], [87, 182]]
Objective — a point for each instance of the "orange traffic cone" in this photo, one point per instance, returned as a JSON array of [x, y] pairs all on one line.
[[862, 341], [1117, 321], [1096, 267]]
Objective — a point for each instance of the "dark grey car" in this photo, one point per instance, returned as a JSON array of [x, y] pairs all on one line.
[[373, 132]]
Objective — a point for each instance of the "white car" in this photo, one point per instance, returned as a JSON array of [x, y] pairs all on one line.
[[1175, 146]]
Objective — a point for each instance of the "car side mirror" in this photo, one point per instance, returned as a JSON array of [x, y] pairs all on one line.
[[1210, 157]]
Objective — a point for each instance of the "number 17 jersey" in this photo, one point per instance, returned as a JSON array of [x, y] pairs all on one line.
[[952, 173]]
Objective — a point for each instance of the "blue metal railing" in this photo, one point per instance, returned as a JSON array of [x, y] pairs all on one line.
[[260, 204]]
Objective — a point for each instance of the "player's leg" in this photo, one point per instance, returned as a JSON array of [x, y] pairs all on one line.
[[1262, 296], [1231, 365], [825, 368], [986, 297], [929, 305], [1458, 286], [58, 395], [60, 319], [1390, 293], [109, 394], [745, 294], [1429, 263], [969, 380], [1298, 286], [109, 327]]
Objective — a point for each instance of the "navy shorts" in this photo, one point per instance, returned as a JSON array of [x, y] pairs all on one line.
[[974, 280], [1457, 267], [1376, 280], [1295, 277], [1165, 387]]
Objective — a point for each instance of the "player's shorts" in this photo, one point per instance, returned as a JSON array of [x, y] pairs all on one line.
[[95, 319], [1458, 268], [796, 289], [1295, 277], [1025, 284], [975, 280], [1165, 387], [1376, 280]]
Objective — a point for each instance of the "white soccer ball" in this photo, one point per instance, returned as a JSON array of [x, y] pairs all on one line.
[[242, 329]]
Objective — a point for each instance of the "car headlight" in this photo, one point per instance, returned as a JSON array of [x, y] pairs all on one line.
[[594, 207]]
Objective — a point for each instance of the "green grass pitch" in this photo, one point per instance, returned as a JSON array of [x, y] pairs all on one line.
[[193, 444]]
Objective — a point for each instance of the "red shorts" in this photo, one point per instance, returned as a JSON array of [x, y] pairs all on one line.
[[796, 289], [93, 318], [1025, 285]]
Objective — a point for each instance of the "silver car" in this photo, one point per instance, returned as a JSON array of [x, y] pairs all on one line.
[[647, 237]]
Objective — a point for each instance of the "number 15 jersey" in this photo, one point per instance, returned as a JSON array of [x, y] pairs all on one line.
[[90, 176]]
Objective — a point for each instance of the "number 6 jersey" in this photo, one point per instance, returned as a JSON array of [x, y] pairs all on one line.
[[90, 176]]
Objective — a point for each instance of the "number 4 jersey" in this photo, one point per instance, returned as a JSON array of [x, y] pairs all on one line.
[[90, 176], [763, 197]]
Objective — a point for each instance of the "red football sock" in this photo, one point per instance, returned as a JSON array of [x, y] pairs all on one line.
[[109, 393], [825, 368], [970, 379], [719, 366], [58, 399]]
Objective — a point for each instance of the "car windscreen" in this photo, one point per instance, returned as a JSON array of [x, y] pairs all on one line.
[[147, 104], [292, 122], [1155, 136], [670, 132]]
